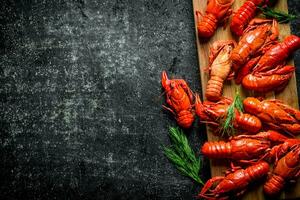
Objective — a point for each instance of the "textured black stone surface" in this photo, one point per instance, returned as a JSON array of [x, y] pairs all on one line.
[[81, 113]]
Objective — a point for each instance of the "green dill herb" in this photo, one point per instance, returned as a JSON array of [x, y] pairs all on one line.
[[227, 125], [280, 16], [182, 156]]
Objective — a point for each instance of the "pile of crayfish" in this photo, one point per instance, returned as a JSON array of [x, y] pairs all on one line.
[[257, 60], [255, 153], [265, 129], [269, 128]]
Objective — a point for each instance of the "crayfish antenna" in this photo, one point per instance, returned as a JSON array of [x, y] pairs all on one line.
[[161, 95], [206, 197], [265, 156], [249, 162], [169, 109], [289, 133]]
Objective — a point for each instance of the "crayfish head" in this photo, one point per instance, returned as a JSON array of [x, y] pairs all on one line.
[[252, 105], [292, 159]]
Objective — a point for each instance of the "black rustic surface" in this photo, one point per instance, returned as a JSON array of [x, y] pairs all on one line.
[[81, 114]]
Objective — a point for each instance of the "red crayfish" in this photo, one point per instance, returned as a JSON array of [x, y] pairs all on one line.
[[257, 38], [243, 147], [179, 97], [219, 68], [244, 14], [213, 113], [216, 11], [280, 150], [269, 72], [287, 168], [275, 114], [235, 182]]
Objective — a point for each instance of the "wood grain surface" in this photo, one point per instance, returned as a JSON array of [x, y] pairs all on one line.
[[289, 95]]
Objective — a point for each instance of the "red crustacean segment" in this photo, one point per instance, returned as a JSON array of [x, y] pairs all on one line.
[[268, 73], [219, 68], [258, 36], [280, 150], [243, 147], [274, 80], [275, 114], [179, 98], [216, 12], [235, 182], [278, 54], [287, 168], [243, 16], [247, 122]]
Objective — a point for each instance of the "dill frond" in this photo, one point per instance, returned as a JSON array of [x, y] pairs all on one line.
[[280, 16], [227, 125], [182, 156]]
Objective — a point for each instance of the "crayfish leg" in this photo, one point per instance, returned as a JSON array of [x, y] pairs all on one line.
[[286, 108], [246, 69], [198, 105], [169, 109], [257, 21], [232, 169], [226, 18], [209, 184], [250, 162]]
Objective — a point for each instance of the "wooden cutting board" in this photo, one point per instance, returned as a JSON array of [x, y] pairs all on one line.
[[289, 95]]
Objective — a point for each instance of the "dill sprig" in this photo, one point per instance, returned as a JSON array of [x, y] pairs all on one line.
[[182, 156], [280, 16], [227, 126]]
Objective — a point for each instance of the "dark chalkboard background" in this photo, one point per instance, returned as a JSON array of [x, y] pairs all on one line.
[[81, 114]]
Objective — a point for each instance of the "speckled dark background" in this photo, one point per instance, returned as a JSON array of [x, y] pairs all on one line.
[[81, 113]]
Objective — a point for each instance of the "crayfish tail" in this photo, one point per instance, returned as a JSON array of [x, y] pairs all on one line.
[[214, 88], [207, 26], [258, 170], [273, 185], [292, 43], [242, 17], [218, 149], [185, 118]]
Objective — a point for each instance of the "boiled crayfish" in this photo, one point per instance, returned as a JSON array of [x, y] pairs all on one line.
[[275, 114], [287, 168], [269, 72], [219, 68], [244, 14], [234, 183], [179, 97], [243, 147], [216, 11], [280, 150], [212, 113], [258, 37]]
